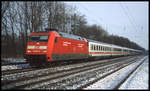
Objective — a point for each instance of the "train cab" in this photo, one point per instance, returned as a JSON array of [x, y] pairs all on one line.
[[38, 46]]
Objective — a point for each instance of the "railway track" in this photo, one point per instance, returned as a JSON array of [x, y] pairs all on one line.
[[45, 71], [51, 68], [55, 77], [10, 67], [9, 71], [81, 78], [13, 71], [76, 79]]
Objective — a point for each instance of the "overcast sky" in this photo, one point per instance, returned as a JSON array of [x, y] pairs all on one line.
[[127, 19]]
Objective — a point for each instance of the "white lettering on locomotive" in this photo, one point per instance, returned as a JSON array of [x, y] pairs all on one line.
[[80, 45], [66, 43]]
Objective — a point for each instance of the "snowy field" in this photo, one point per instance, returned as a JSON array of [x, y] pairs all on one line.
[[11, 60], [138, 80], [10, 67]]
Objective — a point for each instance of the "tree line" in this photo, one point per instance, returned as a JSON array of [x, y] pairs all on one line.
[[21, 18]]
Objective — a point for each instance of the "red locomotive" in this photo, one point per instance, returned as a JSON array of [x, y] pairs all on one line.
[[52, 46]]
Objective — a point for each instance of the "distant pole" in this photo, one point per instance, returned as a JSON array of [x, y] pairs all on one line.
[[112, 38], [106, 28], [124, 28], [142, 28]]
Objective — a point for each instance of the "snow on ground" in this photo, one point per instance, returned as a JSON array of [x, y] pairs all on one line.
[[10, 67], [12, 60], [139, 79], [112, 80]]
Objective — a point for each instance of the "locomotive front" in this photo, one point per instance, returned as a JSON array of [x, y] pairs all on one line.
[[37, 48]]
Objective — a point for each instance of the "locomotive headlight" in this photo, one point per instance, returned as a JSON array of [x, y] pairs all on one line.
[[28, 51], [44, 51], [43, 47], [31, 47]]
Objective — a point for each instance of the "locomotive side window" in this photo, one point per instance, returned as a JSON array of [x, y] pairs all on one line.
[[55, 39], [39, 38]]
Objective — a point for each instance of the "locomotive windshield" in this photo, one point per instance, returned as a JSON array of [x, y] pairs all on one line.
[[39, 38]]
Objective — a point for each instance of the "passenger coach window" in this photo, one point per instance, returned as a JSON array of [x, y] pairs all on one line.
[[91, 47], [94, 47]]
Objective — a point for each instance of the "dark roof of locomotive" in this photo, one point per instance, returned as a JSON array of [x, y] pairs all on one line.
[[71, 36]]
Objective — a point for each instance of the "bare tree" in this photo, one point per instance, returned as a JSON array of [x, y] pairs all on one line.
[[12, 21]]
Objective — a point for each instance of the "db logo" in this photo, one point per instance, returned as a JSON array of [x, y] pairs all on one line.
[[37, 47]]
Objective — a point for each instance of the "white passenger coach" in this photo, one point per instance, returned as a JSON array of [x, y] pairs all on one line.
[[103, 49]]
